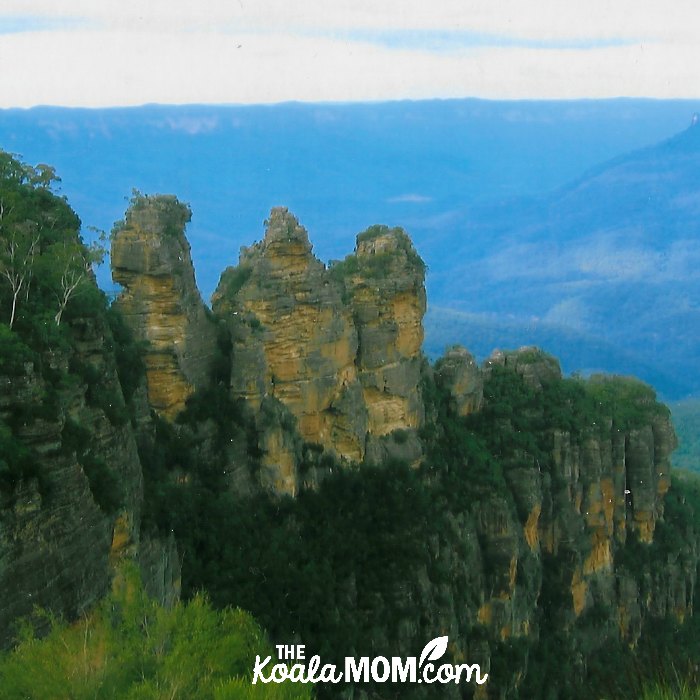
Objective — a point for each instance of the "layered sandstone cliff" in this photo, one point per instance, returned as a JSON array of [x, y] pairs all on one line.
[[160, 302], [330, 357], [385, 284], [338, 348], [76, 512], [294, 340], [459, 373], [599, 484]]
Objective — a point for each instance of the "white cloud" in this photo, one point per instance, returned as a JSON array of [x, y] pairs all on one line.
[[541, 19], [127, 52]]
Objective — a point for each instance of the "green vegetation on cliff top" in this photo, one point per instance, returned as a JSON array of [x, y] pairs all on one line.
[[172, 214]]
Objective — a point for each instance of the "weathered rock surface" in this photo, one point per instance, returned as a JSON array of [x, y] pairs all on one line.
[[339, 348], [606, 484], [294, 341], [458, 372], [387, 295], [535, 367], [160, 302], [329, 361], [58, 546]]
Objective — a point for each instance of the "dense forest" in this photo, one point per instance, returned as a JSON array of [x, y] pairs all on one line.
[[539, 529]]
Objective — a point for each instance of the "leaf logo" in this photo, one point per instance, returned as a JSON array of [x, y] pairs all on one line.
[[433, 650]]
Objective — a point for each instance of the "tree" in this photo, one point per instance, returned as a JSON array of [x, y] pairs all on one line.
[[129, 646], [19, 244], [71, 269]]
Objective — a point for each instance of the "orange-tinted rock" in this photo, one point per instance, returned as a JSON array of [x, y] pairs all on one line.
[[150, 258]]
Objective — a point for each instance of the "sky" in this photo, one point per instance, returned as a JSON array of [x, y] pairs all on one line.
[[99, 53]]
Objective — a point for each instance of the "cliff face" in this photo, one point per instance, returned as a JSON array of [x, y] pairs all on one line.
[[384, 281], [331, 358], [160, 302], [588, 502], [294, 341], [339, 349], [459, 374], [42, 561], [570, 544], [66, 523]]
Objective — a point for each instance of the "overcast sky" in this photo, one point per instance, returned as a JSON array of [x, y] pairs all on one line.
[[128, 52]]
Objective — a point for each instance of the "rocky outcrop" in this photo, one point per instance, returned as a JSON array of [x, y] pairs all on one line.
[[62, 526], [578, 543], [54, 539], [293, 341], [161, 304], [385, 283], [329, 360], [339, 348], [596, 494], [537, 368], [543, 514], [459, 374]]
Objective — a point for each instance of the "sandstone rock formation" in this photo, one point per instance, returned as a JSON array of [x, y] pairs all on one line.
[[606, 483], [151, 260], [385, 283], [340, 349], [458, 372], [58, 543], [536, 367]]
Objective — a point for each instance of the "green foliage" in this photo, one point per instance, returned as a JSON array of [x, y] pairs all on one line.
[[14, 353], [662, 665], [233, 279], [628, 401], [105, 487], [128, 354], [337, 567], [130, 647], [15, 172], [75, 438], [400, 436], [381, 264], [104, 484], [58, 307], [457, 450], [686, 420], [274, 413], [15, 459], [184, 464], [172, 214], [404, 243], [341, 271], [375, 523], [44, 264], [100, 393], [340, 567], [220, 372], [665, 692], [511, 422]]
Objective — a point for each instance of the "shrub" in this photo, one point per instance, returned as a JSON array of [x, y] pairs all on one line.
[[104, 484], [14, 353], [130, 647]]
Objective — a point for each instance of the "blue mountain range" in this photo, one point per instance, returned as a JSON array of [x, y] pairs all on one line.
[[570, 225]]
